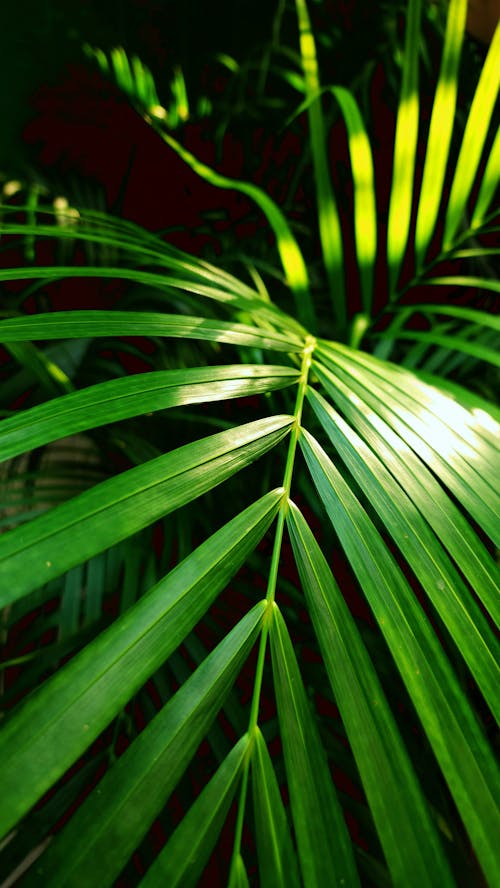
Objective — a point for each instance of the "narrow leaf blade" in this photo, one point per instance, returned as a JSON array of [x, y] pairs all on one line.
[[406, 831], [277, 859], [73, 707], [76, 324], [108, 826], [440, 131], [325, 851], [476, 130], [460, 748], [405, 143], [76, 530], [131, 396], [181, 862]]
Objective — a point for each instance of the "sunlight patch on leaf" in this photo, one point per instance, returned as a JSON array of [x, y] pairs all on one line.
[[405, 143], [476, 131], [440, 131]]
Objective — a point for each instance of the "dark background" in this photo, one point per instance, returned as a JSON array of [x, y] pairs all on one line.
[[39, 39]]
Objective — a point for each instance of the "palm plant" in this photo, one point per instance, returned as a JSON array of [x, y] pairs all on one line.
[[365, 486]]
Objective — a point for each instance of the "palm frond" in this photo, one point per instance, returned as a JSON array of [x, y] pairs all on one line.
[[282, 586]]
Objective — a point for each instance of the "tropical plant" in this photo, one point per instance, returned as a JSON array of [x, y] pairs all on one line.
[[309, 583]]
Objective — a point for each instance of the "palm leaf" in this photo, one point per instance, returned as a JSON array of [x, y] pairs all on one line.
[[117, 508], [425, 421], [401, 198], [110, 824], [328, 216], [132, 396], [458, 744], [277, 860], [473, 141], [398, 467], [440, 131], [400, 813], [67, 325], [325, 852], [196, 835], [421, 549], [73, 708]]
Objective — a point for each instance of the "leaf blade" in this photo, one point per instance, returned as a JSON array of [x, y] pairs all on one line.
[[181, 862], [131, 396], [96, 519], [98, 681], [365, 213], [476, 130], [440, 130], [422, 551], [277, 859], [76, 324], [461, 750], [325, 852], [408, 837], [405, 142], [110, 823], [441, 513]]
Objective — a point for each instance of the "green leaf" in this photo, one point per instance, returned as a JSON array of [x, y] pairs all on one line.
[[408, 836], [440, 130], [76, 324], [181, 861], [53, 379], [291, 257], [76, 530], [485, 413], [277, 860], [72, 708], [161, 282], [238, 877], [462, 312], [405, 143], [421, 549], [454, 343], [476, 130], [136, 243], [365, 214], [437, 508], [328, 217], [460, 747], [109, 825], [129, 396], [427, 421], [468, 281], [121, 65], [489, 184], [325, 850]]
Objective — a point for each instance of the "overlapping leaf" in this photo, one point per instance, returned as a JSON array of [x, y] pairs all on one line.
[[459, 745], [73, 708], [401, 817], [325, 851], [78, 529], [422, 551], [132, 396], [111, 822]]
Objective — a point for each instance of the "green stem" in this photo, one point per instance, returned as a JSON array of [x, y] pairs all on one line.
[[307, 354]]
